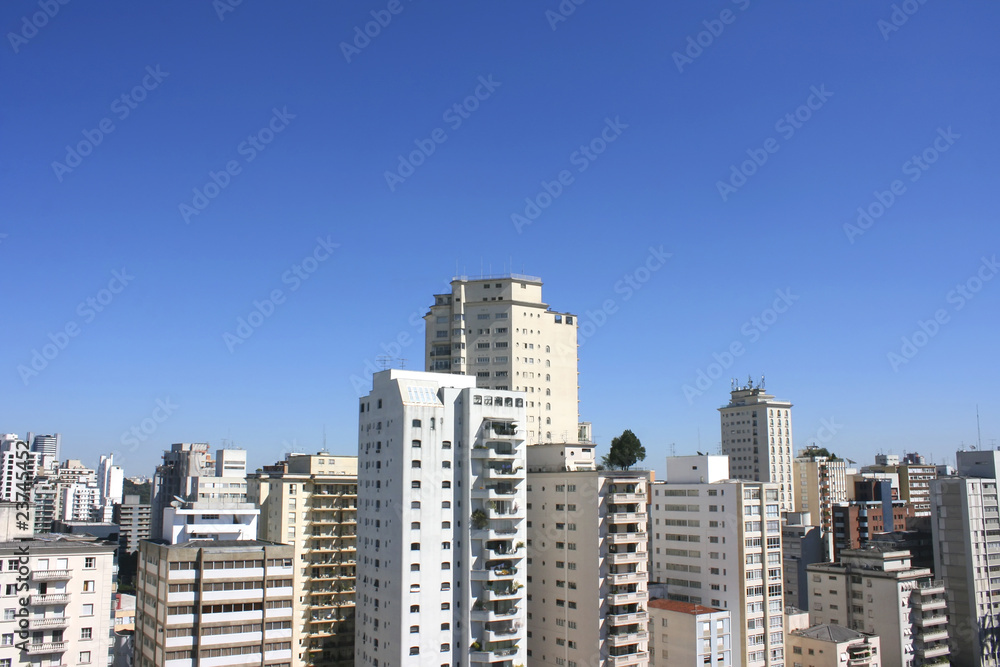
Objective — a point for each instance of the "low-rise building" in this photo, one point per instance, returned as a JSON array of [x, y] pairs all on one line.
[[827, 645], [682, 633]]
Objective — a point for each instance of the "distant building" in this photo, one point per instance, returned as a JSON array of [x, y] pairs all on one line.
[[757, 437], [856, 522], [214, 603], [683, 634], [822, 483], [498, 330], [46, 445], [801, 546], [134, 520]]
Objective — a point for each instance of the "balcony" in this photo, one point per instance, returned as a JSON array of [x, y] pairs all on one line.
[[627, 598], [494, 574], [50, 575], [933, 651], [510, 554], [627, 638], [929, 604], [494, 493], [500, 429], [625, 538], [55, 598], [46, 647], [934, 636], [628, 660], [628, 517], [48, 622], [628, 619], [499, 593], [622, 498], [931, 620], [628, 578], [627, 557], [494, 452]]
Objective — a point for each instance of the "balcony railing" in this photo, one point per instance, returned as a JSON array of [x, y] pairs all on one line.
[[46, 647], [50, 575], [55, 598]]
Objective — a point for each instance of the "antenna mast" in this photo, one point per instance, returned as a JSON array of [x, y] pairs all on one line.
[[979, 431]]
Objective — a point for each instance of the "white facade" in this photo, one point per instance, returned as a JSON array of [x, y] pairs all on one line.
[[111, 480], [587, 560], [965, 524], [210, 521], [499, 331], [69, 601], [757, 437], [14, 469], [718, 544], [441, 516]]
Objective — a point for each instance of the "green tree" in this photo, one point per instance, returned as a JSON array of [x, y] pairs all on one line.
[[625, 452]]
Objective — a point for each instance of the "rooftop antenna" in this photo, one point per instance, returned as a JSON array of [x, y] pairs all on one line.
[[761, 385], [324, 437], [383, 361], [979, 431], [673, 449], [402, 362]]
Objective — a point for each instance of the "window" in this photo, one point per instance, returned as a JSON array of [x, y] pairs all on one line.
[[89, 563], [88, 610], [414, 629], [415, 546], [414, 609], [416, 423], [84, 657], [88, 586]]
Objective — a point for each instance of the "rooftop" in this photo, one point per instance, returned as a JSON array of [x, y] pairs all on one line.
[[830, 633], [682, 607]]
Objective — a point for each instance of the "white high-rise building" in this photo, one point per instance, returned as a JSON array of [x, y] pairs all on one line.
[[499, 331], [17, 465], [965, 524], [46, 445], [717, 542], [441, 514], [757, 437], [588, 559], [111, 479]]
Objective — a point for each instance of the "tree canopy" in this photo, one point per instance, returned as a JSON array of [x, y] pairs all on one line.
[[626, 450]]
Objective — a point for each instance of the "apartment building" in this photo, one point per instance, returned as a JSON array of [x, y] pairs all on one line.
[[172, 479], [757, 437], [877, 591], [857, 522], [499, 330], [717, 542], [802, 545], [685, 634], [67, 606], [310, 502], [214, 603], [828, 645], [441, 514], [133, 519], [965, 525], [587, 560], [822, 483], [914, 482], [16, 466]]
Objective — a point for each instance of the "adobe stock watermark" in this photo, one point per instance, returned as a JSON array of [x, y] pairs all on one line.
[[141, 432], [581, 158], [87, 310], [751, 330], [702, 40], [263, 309], [381, 18], [454, 116], [958, 297], [786, 126], [122, 107], [248, 149], [915, 167], [562, 12], [32, 23], [901, 13], [223, 7]]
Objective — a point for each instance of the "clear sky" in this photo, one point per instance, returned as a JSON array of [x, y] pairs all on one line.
[[167, 165]]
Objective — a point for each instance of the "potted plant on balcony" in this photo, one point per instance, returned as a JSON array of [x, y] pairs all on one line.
[[475, 646], [479, 519]]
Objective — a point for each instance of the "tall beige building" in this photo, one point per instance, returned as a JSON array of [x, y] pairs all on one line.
[[500, 331], [587, 560], [757, 437], [822, 483], [717, 542], [309, 501]]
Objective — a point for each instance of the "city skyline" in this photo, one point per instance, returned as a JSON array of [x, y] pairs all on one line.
[[200, 225]]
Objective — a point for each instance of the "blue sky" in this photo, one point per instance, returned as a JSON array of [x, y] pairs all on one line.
[[253, 141]]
